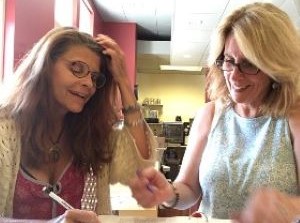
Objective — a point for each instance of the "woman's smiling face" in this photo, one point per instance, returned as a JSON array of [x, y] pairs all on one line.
[[244, 88], [70, 92]]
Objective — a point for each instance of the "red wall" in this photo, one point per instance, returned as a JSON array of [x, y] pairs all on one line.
[[125, 35], [98, 21], [25, 22], [34, 18], [9, 37]]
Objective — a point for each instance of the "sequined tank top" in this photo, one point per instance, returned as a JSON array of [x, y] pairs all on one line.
[[243, 154]]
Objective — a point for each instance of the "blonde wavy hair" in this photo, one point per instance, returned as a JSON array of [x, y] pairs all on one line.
[[269, 40]]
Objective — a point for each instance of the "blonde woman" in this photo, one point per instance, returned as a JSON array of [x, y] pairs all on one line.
[[248, 137]]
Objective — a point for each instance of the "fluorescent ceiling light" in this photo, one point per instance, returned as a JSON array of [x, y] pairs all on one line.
[[180, 68]]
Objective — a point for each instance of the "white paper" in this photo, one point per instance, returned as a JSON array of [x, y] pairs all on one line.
[[177, 219]]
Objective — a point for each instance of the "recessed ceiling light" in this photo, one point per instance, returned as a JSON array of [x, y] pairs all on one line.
[[186, 56], [180, 68]]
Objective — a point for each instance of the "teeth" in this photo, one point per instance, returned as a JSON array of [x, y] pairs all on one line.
[[80, 95], [238, 88]]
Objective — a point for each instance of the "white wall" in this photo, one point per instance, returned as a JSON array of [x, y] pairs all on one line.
[[180, 94]]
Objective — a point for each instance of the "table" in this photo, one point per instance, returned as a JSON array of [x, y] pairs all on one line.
[[124, 204]]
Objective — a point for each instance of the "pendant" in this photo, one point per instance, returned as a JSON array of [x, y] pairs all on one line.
[[54, 153]]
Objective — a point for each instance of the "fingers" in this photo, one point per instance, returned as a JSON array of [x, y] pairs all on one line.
[[153, 177], [142, 190], [110, 46], [150, 187], [267, 205], [117, 64], [82, 216]]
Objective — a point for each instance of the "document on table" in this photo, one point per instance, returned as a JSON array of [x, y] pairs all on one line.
[[177, 219]]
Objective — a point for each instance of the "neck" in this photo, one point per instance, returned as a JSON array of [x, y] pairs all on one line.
[[247, 111], [55, 148], [56, 134], [55, 127]]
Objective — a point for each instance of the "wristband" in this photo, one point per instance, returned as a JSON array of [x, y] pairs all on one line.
[[134, 123], [176, 200], [131, 108]]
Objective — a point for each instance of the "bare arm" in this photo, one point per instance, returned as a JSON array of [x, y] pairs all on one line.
[[187, 180], [294, 122], [118, 69], [151, 187]]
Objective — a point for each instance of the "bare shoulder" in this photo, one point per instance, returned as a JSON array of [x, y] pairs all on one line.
[[205, 111], [294, 117], [204, 117], [294, 123]]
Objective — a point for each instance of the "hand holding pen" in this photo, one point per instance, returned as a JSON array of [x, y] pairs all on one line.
[[57, 198], [71, 215], [150, 187]]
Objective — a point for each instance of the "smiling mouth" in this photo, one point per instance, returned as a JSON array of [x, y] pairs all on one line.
[[80, 95], [239, 89]]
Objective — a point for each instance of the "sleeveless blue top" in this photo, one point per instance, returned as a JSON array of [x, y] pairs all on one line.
[[243, 154]]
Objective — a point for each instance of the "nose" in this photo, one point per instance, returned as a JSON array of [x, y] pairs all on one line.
[[87, 81], [236, 73]]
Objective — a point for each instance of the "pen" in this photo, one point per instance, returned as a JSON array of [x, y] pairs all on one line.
[[58, 199], [148, 185]]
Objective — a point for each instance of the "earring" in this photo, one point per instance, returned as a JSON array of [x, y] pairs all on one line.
[[275, 85]]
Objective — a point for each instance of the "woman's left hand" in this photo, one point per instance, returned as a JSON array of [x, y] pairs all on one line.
[[268, 205], [117, 60]]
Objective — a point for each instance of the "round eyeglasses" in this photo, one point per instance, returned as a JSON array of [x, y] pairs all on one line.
[[244, 67], [81, 69]]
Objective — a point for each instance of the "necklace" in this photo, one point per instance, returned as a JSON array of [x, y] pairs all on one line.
[[54, 151]]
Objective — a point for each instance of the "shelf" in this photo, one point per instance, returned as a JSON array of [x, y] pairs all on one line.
[[152, 105]]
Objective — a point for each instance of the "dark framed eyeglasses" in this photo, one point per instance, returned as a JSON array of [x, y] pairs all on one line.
[[81, 69], [244, 67]]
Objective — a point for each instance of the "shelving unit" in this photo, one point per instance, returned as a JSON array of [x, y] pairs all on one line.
[[147, 108], [154, 107]]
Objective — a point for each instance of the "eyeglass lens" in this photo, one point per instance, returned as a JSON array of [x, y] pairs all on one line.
[[244, 67], [81, 69]]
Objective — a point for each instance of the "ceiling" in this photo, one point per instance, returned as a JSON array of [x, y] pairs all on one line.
[[177, 32]]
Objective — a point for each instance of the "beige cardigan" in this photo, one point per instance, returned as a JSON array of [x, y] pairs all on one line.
[[126, 160]]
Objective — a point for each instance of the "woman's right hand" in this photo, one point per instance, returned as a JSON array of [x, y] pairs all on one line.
[[150, 188], [117, 63], [77, 216]]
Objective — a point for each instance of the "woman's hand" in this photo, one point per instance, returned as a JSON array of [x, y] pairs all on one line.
[[77, 216], [268, 205], [117, 60], [150, 188]]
